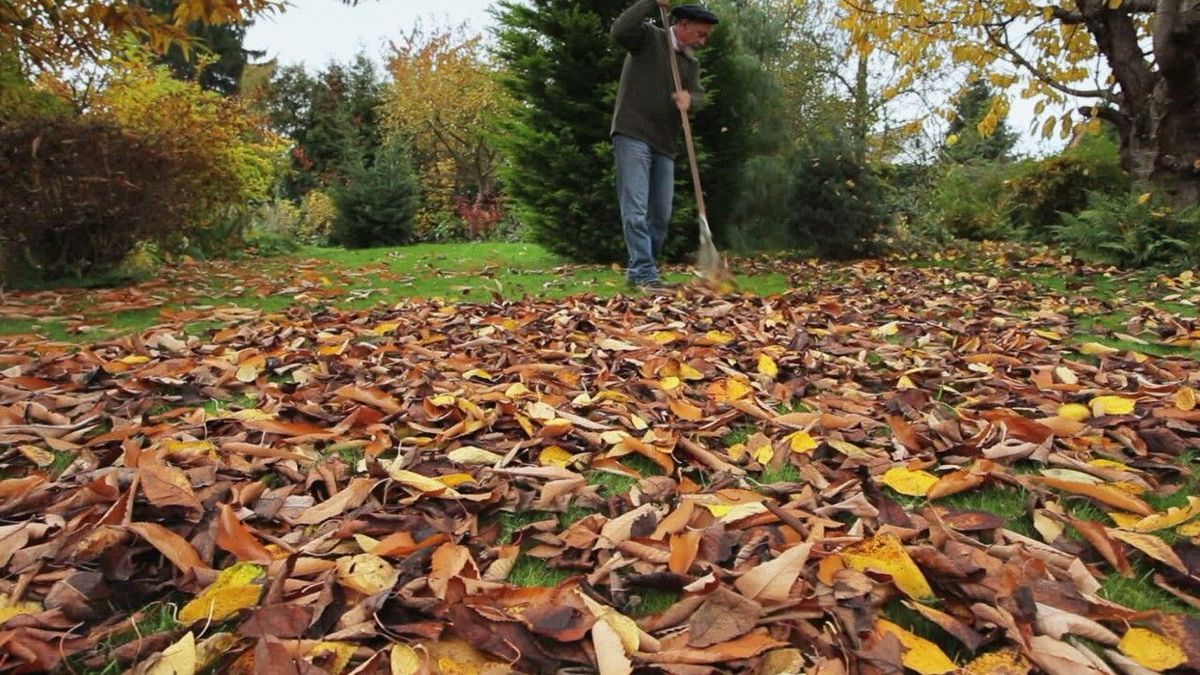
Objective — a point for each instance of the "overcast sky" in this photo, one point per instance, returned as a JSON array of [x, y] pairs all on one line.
[[315, 32]]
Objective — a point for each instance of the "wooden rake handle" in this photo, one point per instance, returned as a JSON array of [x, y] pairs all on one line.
[[687, 125]]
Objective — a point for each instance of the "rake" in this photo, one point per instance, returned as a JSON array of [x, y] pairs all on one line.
[[708, 259]]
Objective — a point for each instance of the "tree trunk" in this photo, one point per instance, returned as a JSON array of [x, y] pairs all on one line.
[[1158, 115]]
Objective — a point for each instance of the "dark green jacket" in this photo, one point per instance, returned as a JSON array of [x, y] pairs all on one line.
[[645, 109]]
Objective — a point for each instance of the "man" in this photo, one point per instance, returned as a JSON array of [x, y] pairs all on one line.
[[646, 124]]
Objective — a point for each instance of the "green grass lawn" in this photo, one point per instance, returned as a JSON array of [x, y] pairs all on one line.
[[346, 279]]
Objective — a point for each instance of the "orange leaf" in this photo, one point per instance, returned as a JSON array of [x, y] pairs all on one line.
[[173, 547], [236, 538], [684, 548], [1105, 494]]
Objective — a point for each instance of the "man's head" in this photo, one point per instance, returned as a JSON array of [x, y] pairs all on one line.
[[693, 25]]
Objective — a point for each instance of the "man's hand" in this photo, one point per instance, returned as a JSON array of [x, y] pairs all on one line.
[[683, 100]]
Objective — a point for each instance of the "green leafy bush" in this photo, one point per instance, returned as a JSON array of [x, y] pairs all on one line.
[[317, 213], [1038, 192], [80, 194], [1132, 231], [969, 201], [837, 202], [275, 228], [761, 213], [378, 203]]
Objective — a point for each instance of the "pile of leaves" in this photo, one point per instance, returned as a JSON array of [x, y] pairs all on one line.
[[791, 469]]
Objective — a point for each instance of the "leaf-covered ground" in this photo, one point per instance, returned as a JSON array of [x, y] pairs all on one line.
[[925, 466]]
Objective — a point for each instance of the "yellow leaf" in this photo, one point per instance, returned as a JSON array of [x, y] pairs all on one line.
[[554, 456], [248, 372], [234, 590], [1111, 405], [516, 390], [453, 480], [385, 328], [717, 337], [689, 373], [663, 337], [887, 330], [469, 454], [883, 553], [26, 607], [920, 654], [478, 373], [736, 451], [1191, 529], [134, 359], [1145, 196], [1097, 349], [800, 441], [905, 382], [1122, 519], [1185, 398], [39, 456], [335, 349], [339, 653], [731, 513], [1006, 661], [417, 481], [763, 453], [1174, 515], [625, 628], [1047, 334], [909, 482], [442, 400], [405, 660], [1149, 649], [669, 383], [1074, 411], [952, 140], [178, 659], [848, 449], [729, 389], [767, 366], [366, 573]]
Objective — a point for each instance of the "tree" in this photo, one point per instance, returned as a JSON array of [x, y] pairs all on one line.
[[50, 33], [377, 203], [216, 48], [331, 119], [444, 96], [562, 67], [1057, 52], [972, 134]]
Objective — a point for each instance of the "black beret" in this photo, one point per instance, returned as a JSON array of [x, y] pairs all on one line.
[[695, 13]]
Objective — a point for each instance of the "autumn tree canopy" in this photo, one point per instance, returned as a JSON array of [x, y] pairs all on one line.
[[1132, 63], [50, 33]]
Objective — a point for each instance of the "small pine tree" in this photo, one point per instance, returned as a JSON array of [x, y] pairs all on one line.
[[837, 201], [377, 204], [969, 144]]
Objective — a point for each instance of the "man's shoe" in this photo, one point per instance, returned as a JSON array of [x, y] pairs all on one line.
[[657, 286]]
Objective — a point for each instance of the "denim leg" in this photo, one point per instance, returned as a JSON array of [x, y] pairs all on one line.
[[662, 192], [634, 162]]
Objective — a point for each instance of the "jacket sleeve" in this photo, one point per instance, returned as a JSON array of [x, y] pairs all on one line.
[[630, 28]]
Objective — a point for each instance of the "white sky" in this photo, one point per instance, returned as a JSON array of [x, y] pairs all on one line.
[[316, 32]]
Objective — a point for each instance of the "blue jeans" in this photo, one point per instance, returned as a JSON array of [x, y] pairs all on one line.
[[645, 188]]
